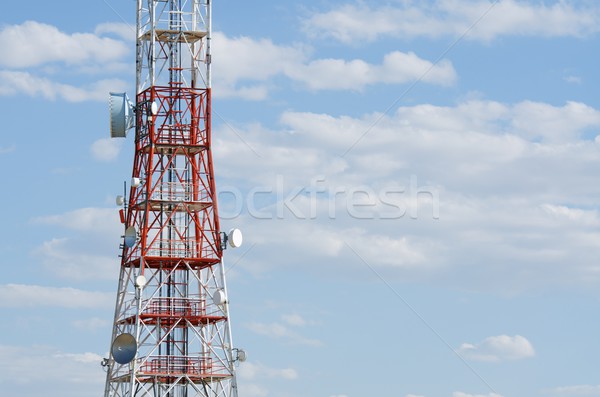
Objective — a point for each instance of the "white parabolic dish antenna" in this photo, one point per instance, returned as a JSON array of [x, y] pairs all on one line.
[[242, 355], [140, 281], [219, 297], [235, 238], [121, 114], [124, 348]]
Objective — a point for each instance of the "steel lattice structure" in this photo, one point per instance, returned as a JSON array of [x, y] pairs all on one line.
[[184, 345]]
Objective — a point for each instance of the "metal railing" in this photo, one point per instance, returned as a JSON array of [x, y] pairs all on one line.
[[180, 249], [183, 365], [174, 307]]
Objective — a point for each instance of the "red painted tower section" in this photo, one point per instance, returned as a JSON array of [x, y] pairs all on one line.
[[175, 210]]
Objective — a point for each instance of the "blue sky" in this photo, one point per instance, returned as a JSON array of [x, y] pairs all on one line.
[[416, 181]]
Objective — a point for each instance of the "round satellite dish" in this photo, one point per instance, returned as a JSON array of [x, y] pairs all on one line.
[[235, 238], [219, 297], [154, 108], [135, 182], [124, 348], [121, 114], [120, 200], [130, 236], [241, 355], [140, 281]]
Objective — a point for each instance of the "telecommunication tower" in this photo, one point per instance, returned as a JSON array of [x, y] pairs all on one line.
[[171, 333]]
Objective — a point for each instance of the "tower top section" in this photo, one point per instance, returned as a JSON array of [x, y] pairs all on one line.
[[173, 44]]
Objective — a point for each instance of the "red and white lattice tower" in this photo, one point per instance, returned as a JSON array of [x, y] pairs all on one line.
[[171, 334]]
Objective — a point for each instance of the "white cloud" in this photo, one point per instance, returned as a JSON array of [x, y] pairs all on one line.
[[84, 358], [252, 378], [273, 330], [91, 324], [122, 30], [90, 220], [573, 79], [577, 390], [397, 68], [573, 215], [444, 17], [285, 329], [393, 251], [294, 320], [254, 390], [106, 149], [91, 253], [42, 368], [23, 296], [245, 66], [535, 120], [68, 259], [33, 43], [498, 348], [461, 394], [538, 156], [51, 52], [257, 371], [280, 331], [7, 149], [24, 83]]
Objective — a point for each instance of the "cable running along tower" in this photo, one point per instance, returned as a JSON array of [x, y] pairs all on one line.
[[171, 334]]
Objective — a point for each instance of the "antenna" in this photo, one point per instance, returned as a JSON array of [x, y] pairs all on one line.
[[130, 236], [234, 238], [154, 108], [121, 114], [219, 297], [241, 355], [124, 348]]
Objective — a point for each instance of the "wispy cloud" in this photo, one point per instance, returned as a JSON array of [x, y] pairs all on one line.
[[498, 348], [106, 149], [575, 390], [91, 324], [451, 18], [397, 68], [25, 83], [90, 220], [254, 371], [34, 43], [43, 367], [240, 73], [7, 149], [23, 296], [573, 79], [461, 394], [63, 257], [254, 378], [286, 330], [468, 153]]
